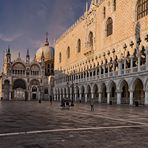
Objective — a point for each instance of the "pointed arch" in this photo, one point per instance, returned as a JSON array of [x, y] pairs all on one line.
[[79, 46], [138, 91], [109, 26], [124, 88]]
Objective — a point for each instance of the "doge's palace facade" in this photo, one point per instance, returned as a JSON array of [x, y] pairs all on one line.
[[104, 55]]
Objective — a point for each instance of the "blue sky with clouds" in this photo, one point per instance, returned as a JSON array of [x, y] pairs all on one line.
[[24, 22]]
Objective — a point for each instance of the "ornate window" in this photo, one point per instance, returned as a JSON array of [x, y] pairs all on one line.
[[60, 57], [79, 46], [142, 8], [68, 52], [109, 26], [91, 39]]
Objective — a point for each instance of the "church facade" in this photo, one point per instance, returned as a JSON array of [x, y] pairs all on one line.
[[104, 55], [28, 80]]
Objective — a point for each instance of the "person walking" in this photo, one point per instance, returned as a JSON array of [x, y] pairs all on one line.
[[50, 100], [92, 104]]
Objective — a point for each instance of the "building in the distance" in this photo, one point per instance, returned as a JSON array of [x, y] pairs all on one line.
[[28, 80], [104, 55]]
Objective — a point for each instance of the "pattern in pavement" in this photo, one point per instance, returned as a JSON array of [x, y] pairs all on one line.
[[29, 124]]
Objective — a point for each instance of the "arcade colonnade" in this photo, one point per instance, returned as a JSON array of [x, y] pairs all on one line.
[[125, 84]]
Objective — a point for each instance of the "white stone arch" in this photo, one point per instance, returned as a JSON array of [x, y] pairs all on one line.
[[109, 85], [35, 69], [112, 89], [132, 84], [121, 83], [123, 88], [138, 90]]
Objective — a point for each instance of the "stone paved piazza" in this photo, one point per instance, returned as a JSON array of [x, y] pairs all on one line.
[[34, 125]]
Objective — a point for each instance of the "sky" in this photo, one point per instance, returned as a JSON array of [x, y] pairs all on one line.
[[24, 23]]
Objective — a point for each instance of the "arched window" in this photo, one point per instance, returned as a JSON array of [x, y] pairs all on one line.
[[114, 5], [104, 12], [68, 52], [60, 57], [79, 46], [109, 26], [142, 8], [91, 39]]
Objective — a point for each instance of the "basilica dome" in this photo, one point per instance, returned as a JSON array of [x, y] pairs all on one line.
[[45, 50]]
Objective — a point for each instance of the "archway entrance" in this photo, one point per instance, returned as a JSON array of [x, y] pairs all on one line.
[[20, 90], [96, 95], [138, 92], [88, 93], [124, 93], [83, 94], [113, 97], [6, 90], [34, 93], [34, 86], [104, 94]]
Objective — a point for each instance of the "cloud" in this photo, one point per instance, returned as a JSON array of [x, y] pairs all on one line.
[[10, 38]]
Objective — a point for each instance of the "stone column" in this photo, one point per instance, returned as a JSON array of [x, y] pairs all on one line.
[[60, 97], [100, 97], [113, 68], [131, 97], [75, 95], [80, 97], [108, 69], [10, 95], [92, 95], [39, 95], [131, 66], [29, 98], [86, 98], [119, 67], [124, 65], [71, 94], [96, 75], [108, 97], [118, 98], [139, 60], [146, 97], [146, 50]]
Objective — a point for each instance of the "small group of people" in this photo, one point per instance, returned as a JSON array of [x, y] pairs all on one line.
[[65, 103]]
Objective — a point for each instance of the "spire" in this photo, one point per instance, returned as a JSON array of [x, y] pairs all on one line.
[[86, 6], [19, 55], [27, 56], [27, 53], [46, 42], [8, 52], [42, 56]]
